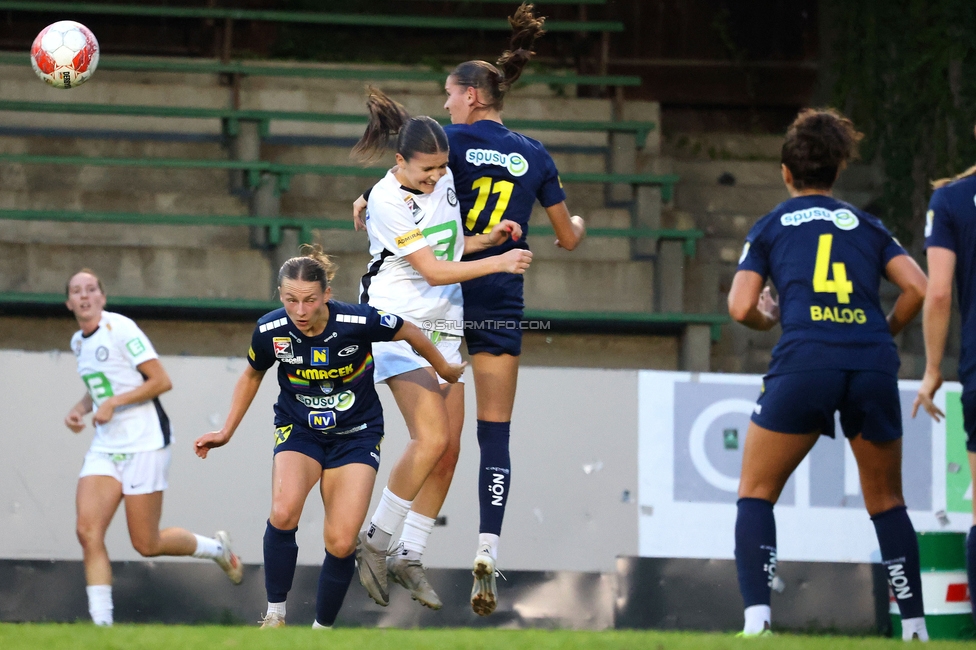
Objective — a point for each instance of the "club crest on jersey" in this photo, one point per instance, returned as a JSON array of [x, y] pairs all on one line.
[[415, 209], [282, 347], [843, 219], [320, 356], [451, 197], [101, 353], [515, 163]]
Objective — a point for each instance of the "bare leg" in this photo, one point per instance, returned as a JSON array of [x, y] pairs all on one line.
[[142, 512], [346, 492], [769, 459], [431, 496], [419, 397], [879, 465], [292, 477], [96, 501], [495, 381]]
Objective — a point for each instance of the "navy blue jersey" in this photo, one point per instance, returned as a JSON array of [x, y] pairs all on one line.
[[951, 223], [826, 259], [326, 381], [500, 174]]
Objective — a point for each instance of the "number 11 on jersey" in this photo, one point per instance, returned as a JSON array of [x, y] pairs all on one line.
[[484, 186], [839, 285]]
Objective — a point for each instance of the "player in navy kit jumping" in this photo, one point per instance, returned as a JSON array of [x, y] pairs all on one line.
[[826, 259], [499, 174], [328, 421], [950, 243]]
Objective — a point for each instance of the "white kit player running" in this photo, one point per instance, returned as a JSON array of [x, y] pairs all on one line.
[[416, 240], [130, 454]]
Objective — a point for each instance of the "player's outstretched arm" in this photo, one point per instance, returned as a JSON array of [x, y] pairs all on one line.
[[750, 303], [75, 418], [935, 326], [499, 235], [157, 382], [244, 391], [440, 272], [570, 230], [906, 274], [410, 333]]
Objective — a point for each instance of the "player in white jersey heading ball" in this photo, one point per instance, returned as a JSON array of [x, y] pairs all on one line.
[[130, 454], [417, 240]]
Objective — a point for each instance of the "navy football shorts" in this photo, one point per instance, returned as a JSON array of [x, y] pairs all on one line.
[[805, 402], [969, 419], [330, 451], [493, 308]]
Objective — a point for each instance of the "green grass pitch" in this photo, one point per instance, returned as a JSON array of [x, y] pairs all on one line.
[[177, 637]]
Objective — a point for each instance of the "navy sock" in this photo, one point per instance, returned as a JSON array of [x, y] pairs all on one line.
[[280, 557], [971, 567], [495, 476], [333, 583], [899, 555], [755, 550]]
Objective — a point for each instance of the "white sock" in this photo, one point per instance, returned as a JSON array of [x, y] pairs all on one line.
[[912, 626], [100, 603], [318, 626], [416, 531], [757, 618], [277, 608], [488, 542], [208, 548], [390, 513]]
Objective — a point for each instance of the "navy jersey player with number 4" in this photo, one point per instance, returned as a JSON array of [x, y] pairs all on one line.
[[328, 421], [826, 259], [950, 246]]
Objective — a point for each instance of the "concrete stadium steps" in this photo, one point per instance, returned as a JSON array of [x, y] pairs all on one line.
[[130, 200], [590, 286], [591, 249]]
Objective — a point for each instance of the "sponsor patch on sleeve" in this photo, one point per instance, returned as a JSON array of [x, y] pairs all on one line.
[[136, 347], [250, 354], [388, 320], [411, 237]]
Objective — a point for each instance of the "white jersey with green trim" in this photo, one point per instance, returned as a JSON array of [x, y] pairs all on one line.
[[401, 221], [108, 361]]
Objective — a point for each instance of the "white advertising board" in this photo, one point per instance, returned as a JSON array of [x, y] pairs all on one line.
[[691, 433]]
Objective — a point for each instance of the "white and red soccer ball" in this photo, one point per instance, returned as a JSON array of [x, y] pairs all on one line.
[[65, 54]]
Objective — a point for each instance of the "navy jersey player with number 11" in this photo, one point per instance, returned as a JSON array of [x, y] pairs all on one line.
[[826, 258], [328, 421]]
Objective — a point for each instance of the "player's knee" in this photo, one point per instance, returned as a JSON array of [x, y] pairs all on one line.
[[283, 517], [448, 462], [146, 546], [878, 503], [89, 535], [340, 544]]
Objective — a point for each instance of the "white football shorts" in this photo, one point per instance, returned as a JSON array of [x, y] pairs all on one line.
[[392, 358], [142, 472]]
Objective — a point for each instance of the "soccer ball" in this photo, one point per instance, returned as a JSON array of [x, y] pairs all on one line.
[[65, 54]]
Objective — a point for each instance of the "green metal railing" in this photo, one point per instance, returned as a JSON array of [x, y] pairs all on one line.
[[562, 318], [210, 66], [284, 171], [232, 117], [305, 225], [68, 9]]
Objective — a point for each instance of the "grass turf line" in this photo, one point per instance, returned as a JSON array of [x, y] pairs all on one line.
[[83, 636]]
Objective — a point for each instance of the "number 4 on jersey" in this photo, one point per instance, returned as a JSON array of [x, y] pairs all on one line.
[[839, 285]]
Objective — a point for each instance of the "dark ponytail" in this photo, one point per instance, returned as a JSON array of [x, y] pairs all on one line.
[[494, 82], [387, 119]]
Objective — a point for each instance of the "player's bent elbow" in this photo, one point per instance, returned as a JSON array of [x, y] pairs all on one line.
[[738, 310]]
